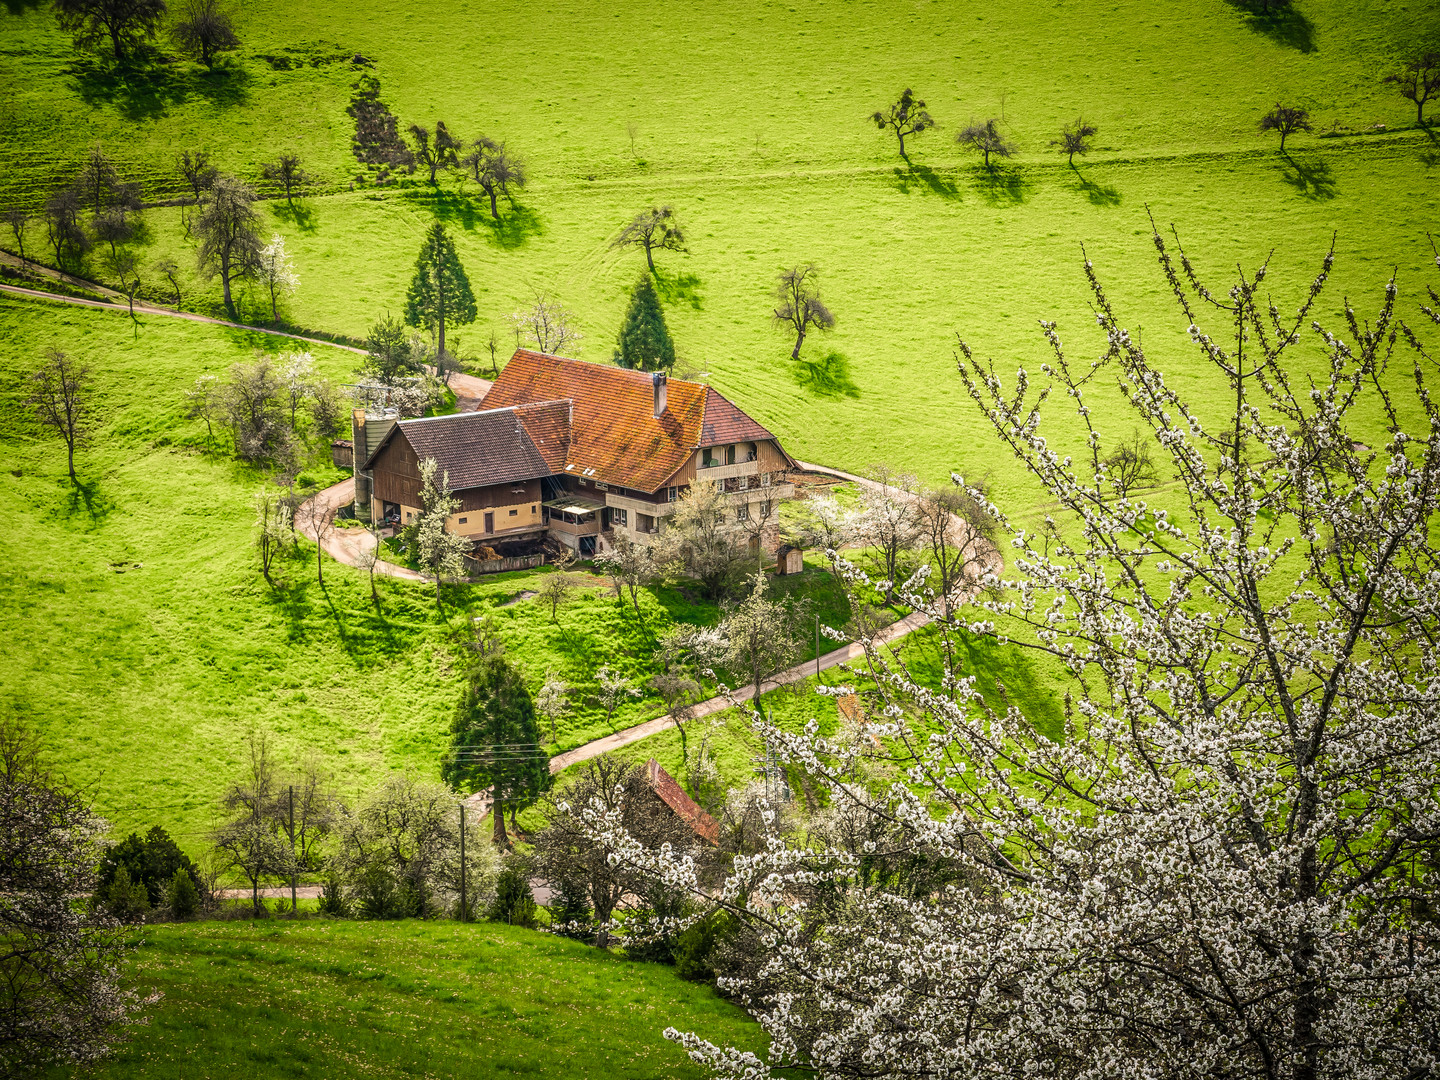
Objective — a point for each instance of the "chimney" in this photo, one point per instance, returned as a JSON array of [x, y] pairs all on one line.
[[657, 382]]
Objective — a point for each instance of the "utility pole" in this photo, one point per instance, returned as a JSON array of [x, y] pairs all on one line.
[[817, 646], [292, 852], [464, 912]]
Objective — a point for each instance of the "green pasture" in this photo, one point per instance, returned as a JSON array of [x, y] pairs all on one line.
[[750, 119], [404, 999]]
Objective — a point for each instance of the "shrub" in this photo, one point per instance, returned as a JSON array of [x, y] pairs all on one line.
[[125, 899], [514, 903], [150, 862], [572, 905], [181, 896], [695, 948], [332, 898]]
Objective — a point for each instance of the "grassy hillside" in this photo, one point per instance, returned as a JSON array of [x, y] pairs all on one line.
[[751, 120], [406, 999]]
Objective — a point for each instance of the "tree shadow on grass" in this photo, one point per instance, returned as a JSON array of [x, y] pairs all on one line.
[[679, 288], [88, 503], [514, 228], [828, 377], [146, 88], [300, 214], [923, 178], [1279, 21], [1000, 186], [20, 7], [1311, 177], [1098, 194]]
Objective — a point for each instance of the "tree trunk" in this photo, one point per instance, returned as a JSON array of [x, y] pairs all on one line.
[[799, 340], [649, 259], [494, 208], [275, 317], [115, 43], [70, 452], [901, 136], [225, 280], [319, 548], [497, 811]]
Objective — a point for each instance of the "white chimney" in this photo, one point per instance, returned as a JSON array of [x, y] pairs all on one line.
[[657, 383]]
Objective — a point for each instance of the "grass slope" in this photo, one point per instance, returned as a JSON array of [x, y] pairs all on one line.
[[405, 999]]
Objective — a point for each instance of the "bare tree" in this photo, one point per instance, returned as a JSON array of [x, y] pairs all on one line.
[[199, 173], [1286, 120], [821, 522], [435, 151], [654, 230], [286, 173], [253, 404], [368, 560], [496, 170], [62, 226], [905, 117], [1128, 466], [678, 691], [762, 636], [547, 323], [123, 265], [249, 841], [555, 590], [60, 399], [309, 812], [273, 525], [124, 24], [317, 517], [204, 401], [17, 219], [61, 1001], [203, 30], [986, 138], [169, 268], [229, 245], [1418, 80], [1075, 139], [800, 308]]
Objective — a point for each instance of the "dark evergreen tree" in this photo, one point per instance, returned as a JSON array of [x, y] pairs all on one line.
[[645, 343], [495, 741], [440, 291], [151, 862]]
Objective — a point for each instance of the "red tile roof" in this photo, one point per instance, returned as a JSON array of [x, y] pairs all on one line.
[[613, 429], [664, 785]]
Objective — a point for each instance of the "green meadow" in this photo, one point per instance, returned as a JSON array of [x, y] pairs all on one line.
[[404, 999], [751, 120]]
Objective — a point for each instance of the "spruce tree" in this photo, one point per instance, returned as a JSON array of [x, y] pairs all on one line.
[[439, 291], [645, 343], [495, 741]]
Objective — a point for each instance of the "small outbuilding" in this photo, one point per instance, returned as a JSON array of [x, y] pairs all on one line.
[[684, 807]]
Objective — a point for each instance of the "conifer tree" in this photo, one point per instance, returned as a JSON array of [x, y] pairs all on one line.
[[440, 291], [495, 741], [645, 343]]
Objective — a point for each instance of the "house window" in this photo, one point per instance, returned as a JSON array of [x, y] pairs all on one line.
[[464, 520], [514, 513], [752, 453], [489, 523], [729, 455], [672, 494], [742, 513], [619, 516], [408, 515], [765, 509], [644, 523], [532, 508], [708, 459]]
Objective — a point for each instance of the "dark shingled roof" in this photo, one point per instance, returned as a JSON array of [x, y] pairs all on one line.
[[474, 449], [664, 785]]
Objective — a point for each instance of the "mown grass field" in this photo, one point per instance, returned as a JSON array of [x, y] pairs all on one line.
[[405, 999], [750, 118]]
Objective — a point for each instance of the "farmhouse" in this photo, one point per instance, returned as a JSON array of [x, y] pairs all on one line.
[[575, 451]]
